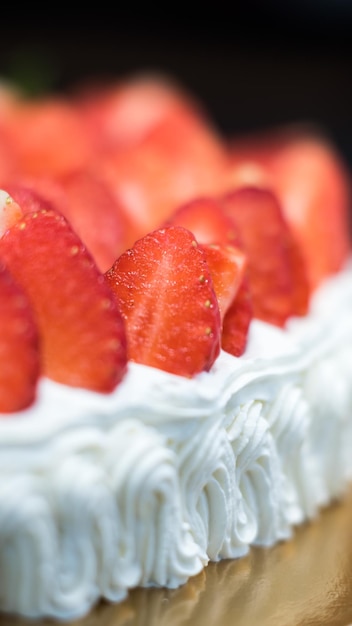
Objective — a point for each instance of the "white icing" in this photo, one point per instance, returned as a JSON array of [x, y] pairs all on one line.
[[101, 493]]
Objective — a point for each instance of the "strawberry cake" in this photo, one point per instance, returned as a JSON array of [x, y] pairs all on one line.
[[175, 382]]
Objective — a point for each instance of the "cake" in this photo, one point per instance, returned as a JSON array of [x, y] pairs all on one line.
[[176, 315]]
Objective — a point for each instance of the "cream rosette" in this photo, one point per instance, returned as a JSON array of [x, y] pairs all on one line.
[[97, 513]]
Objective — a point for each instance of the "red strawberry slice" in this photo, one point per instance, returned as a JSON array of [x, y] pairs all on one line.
[[205, 218], [299, 273], [87, 203], [82, 332], [123, 113], [46, 136], [19, 346], [315, 190], [180, 159], [312, 183], [166, 295], [27, 197], [237, 321], [227, 266], [264, 234], [96, 216]]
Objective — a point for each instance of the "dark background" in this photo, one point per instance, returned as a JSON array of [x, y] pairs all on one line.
[[256, 65]]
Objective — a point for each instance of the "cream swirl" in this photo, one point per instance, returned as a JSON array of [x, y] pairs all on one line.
[[288, 417], [207, 470], [105, 516], [260, 519]]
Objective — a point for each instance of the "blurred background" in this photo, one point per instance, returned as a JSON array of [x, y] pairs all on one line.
[[256, 65]]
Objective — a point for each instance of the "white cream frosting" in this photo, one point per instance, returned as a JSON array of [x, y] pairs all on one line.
[[101, 493]]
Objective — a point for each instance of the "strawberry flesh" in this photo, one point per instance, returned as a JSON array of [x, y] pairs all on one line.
[[120, 114], [264, 233], [46, 137], [82, 333], [19, 346], [313, 185], [179, 159], [227, 266], [205, 218], [166, 296], [237, 321]]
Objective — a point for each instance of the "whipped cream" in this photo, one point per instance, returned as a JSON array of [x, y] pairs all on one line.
[[144, 486]]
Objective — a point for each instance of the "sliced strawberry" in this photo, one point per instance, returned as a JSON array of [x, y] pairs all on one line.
[[237, 320], [313, 185], [82, 332], [27, 197], [121, 114], [180, 159], [96, 216], [46, 136], [87, 203], [264, 234], [166, 295], [299, 272], [227, 266], [205, 218], [19, 346], [315, 191]]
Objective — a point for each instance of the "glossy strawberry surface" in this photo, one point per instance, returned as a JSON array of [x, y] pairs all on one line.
[[265, 235], [166, 296], [82, 333]]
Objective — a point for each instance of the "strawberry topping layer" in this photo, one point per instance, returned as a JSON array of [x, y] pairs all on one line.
[[133, 230]]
